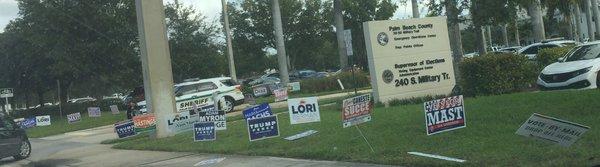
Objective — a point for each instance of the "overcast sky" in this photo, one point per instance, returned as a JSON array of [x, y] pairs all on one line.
[[209, 8]]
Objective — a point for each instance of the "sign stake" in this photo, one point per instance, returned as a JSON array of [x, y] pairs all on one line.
[[367, 141]]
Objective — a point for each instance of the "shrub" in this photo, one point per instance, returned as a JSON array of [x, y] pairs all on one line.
[[330, 83], [548, 56], [496, 74], [69, 108]]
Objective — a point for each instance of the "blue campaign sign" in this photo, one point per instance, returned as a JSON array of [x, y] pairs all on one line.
[[28, 123], [204, 131], [259, 111], [263, 128], [125, 129]]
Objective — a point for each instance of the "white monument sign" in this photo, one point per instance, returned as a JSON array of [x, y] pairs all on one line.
[[409, 58]]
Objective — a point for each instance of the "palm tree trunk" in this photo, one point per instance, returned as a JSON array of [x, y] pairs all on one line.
[[339, 31], [577, 12], [488, 32], [415, 8], [535, 12], [505, 35], [588, 17], [454, 35], [569, 27], [596, 15], [481, 46]]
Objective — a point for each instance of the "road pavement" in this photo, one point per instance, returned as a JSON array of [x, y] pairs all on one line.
[[83, 148]]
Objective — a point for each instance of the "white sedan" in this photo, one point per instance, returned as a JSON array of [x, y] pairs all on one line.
[[577, 70]]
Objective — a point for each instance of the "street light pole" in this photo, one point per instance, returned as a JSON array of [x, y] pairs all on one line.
[[228, 36]]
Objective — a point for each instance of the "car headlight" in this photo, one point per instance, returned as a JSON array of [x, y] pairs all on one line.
[[582, 71]]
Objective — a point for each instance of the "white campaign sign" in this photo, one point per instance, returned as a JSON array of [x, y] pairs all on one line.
[[43, 120], [409, 58], [6, 92], [304, 110], [552, 129], [114, 109]]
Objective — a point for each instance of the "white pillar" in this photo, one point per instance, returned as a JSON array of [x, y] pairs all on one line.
[[156, 62]]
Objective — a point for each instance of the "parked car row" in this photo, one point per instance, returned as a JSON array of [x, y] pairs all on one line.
[[578, 69]]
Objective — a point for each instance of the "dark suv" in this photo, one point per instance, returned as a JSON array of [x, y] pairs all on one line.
[[13, 139]]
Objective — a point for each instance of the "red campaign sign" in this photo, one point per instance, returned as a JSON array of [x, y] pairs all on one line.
[[444, 114], [353, 110], [280, 95], [356, 110], [144, 121]]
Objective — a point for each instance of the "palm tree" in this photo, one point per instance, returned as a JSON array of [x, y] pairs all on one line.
[[534, 9], [415, 8]]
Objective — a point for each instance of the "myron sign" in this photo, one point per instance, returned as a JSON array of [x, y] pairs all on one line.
[[409, 58]]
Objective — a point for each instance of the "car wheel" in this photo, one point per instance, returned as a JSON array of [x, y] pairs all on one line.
[[227, 105], [24, 150]]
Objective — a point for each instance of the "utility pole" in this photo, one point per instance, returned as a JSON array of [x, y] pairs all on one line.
[[415, 8], [228, 36], [156, 63], [281, 56], [339, 32]]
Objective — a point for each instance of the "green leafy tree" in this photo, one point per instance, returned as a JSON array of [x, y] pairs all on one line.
[[194, 50]]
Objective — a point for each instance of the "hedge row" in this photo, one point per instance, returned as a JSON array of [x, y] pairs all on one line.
[[492, 74], [69, 108], [548, 56]]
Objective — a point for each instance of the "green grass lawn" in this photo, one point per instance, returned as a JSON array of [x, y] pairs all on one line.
[[60, 124], [488, 140]]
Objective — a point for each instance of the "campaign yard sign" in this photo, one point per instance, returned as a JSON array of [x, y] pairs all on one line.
[[356, 110], [304, 110], [114, 109], [181, 122], [125, 129], [74, 118], [294, 86], [444, 115], [43, 120], [263, 128], [204, 131], [280, 94], [28, 123], [94, 112], [260, 90], [552, 129], [216, 116], [259, 111], [144, 122]]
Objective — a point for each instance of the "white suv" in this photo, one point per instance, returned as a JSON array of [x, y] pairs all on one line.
[[201, 92]]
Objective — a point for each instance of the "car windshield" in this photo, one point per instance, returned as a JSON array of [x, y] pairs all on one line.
[[585, 52]]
